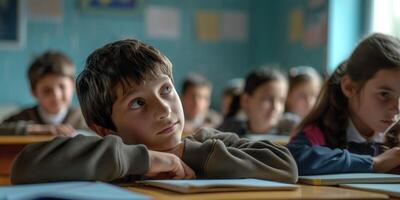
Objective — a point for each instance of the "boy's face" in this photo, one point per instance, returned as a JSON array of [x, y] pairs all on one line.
[[150, 113], [54, 92], [196, 101]]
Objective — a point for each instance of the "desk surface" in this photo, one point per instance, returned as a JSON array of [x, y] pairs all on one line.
[[23, 139], [11, 145], [304, 192]]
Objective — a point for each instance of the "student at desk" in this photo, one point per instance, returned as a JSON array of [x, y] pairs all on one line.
[[127, 95], [196, 97], [51, 78], [304, 86], [342, 134], [263, 102]]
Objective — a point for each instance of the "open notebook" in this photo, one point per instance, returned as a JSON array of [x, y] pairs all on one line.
[[217, 185], [391, 189], [336, 179], [68, 190]]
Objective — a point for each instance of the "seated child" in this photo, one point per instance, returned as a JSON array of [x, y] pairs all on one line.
[[196, 94], [230, 98], [304, 86], [262, 101], [343, 133], [51, 78], [127, 96]]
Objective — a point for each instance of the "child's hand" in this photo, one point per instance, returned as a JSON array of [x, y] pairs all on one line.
[[396, 170], [65, 130], [166, 165], [39, 129], [387, 161], [178, 150]]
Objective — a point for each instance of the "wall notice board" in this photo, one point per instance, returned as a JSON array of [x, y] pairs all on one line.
[[12, 24]]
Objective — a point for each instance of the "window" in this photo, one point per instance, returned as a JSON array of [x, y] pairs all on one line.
[[386, 17]]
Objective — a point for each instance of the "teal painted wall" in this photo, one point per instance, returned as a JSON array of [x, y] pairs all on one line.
[[80, 33], [263, 34], [270, 42]]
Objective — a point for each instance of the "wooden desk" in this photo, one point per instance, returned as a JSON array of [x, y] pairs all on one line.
[[278, 139], [4, 180], [304, 192], [11, 145]]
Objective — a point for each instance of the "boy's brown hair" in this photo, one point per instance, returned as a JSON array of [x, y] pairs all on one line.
[[195, 80], [50, 62], [120, 63]]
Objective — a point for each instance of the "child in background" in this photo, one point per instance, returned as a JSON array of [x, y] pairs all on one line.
[[263, 102], [343, 133], [51, 78], [233, 89], [127, 95], [196, 94], [304, 86]]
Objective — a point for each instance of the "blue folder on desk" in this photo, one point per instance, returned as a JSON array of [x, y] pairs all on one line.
[[218, 185], [391, 189], [347, 178], [68, 190]]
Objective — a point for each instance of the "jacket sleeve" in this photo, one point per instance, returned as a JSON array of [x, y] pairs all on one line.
[[14, 128], [75, 119], [79, 158], [315, 159], [214, 154], [17, 124]]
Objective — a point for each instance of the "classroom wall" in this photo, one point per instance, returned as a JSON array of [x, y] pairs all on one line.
[[271, 35], [79, 33], [348, 22], [263, 36]]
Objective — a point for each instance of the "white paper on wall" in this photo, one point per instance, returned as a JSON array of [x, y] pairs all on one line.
[[234, 25], [163, 22]]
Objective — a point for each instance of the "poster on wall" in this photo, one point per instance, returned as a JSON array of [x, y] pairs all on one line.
[[226, 25], [12, 24], [308, 25], [296, 25], [316, 30], [234, 26], [45, 10], [162, 22], [111, 6], [208, 25]]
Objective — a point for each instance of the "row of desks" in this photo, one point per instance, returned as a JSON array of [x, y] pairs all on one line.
[[11, 145], [304, 192]]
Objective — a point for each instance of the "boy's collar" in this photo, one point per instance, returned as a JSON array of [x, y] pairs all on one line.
[[54, 119]]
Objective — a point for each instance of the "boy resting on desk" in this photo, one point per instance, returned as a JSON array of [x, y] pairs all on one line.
[[127, 96], [51, 78]]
